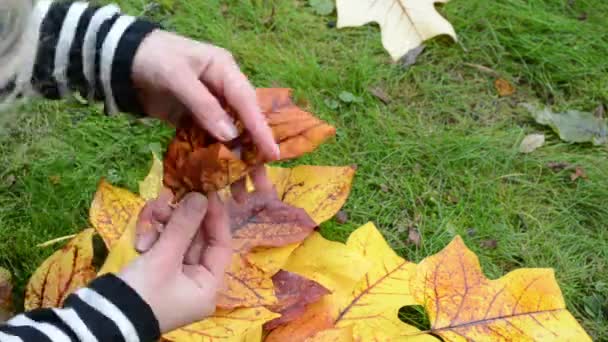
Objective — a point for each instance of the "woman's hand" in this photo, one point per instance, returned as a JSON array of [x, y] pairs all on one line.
[[182, 268], [178, 76]]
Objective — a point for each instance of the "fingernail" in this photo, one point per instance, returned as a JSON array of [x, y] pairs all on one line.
[[227, 130], [145, 241], [195, 202]]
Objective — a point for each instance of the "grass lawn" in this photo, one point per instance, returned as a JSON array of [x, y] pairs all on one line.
[[442, 155]]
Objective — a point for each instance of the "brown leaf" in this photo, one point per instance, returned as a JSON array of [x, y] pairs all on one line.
[[195, 161], [579, 172], [6, 295], [380, 94], [262, 220], [504, 88], [293, 292], [341, 217], [489, 244], [558, 166], [413, 236]]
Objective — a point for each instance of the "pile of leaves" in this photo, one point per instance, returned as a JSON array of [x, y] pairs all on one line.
[[287, 282], [307, 288]]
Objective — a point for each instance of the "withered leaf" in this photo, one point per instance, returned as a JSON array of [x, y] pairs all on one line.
[[262, 220], [413, 236], [6, 295], [558, 166], [195, 161], [503, 87], [489, 244], [293, 293], [579, 172], [341, 217]]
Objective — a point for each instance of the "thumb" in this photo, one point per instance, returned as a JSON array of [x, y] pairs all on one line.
[[182, 226]]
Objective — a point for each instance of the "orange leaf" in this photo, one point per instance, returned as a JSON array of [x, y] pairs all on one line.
[[195, 161], [245, 286], [111, 211], [463, 305], [264, 221], [65, 271], [293, 292], [504, 88], [315, 319]]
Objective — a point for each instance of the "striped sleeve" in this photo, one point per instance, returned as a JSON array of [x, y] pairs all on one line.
[[107, 310], [89, 50]]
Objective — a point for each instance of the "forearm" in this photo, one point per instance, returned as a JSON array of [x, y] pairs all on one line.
[[84, 49], [107, 310]]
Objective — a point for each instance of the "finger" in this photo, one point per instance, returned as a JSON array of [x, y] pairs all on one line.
[[204, 106], [239, 190], [227, 80], [154, 214], [193, 255], [182, 227], [218, 254], [260, 179]]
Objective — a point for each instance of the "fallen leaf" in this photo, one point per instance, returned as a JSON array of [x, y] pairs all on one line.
[[322, 7], [558, 166], [411, 57], [413, 236], [122, 251], [245, 286], [333, 335], [504, 87], [371, 306], [234, 326], [334, 266], [65, 271], [320, 190], [262, 220], [195, 161], [531, 142], [463, 305], [111, 211], [384, 188], [151, 186], [489, 244], [404, 24], [579, 172], [341, 217], [271, 260], [55, 180], [380, 94], [348, 97], [293, 293], [572, 126], [6, 295], [9, 180]]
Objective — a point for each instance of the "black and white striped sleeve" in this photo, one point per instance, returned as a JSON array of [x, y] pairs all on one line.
[[87, 49], [107, 310]]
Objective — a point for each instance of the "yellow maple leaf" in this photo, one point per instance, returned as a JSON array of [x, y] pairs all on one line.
[[405, 24], [320, 190], [123, 252], [245, 286], [271, 260], [150, 187], [368, 306], [111, 211], [464, 305], [65, 271], [240, 325]]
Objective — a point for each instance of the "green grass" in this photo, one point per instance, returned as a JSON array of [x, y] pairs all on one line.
[[445, 147]]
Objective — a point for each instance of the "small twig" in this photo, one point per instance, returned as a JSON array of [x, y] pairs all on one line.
[[54, 241], [483, 69]]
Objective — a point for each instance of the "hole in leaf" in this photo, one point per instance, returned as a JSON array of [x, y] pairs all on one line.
[[415, 316], [100, 252]]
